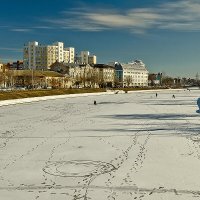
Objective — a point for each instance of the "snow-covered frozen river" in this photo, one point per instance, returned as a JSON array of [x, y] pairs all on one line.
[[128, 146]]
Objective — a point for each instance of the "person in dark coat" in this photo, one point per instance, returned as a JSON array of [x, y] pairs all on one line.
[[95, 103], [198, 103]]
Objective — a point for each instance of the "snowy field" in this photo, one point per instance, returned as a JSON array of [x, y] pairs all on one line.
[[128, 146]]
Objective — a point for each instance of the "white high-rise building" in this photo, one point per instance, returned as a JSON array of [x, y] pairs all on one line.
[[37, 56], [86, 58], [69, 55], [59, 46], [92, 59], [30, 55]]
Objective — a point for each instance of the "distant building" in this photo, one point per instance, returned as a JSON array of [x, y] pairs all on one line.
[[106, 75], [40, 79], [4, 68], [86, 58], [16, 65], [83, 75], [86, 75], [69, 55], [37, 56], [155, 79], [78, 59], [92, 59], [1, 67], [131, 74]]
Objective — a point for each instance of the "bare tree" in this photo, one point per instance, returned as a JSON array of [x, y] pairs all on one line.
[[10, 80], [168, 81], [1, 79], [128, 80]]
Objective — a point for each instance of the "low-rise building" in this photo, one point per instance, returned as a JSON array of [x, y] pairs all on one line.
[[85, 75], [106, 75], [80, 74], [18, 65], [1, 67], [37, 79], [60, 67]]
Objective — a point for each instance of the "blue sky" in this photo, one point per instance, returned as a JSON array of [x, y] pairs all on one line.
[[164, 34]]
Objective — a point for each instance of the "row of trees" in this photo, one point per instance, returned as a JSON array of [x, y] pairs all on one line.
[[93, 78], [176, 82], [6, 79], [166, 80], [86, 78], [9, 79]]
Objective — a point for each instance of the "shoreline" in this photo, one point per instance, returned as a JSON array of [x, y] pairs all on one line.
[[8, 102]]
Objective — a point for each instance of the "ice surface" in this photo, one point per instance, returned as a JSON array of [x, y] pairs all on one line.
[[128, 146]]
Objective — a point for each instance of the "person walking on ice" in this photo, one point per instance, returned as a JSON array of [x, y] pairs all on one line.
[[156, 95], [173, 96]]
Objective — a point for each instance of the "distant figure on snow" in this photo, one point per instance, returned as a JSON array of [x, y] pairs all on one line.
[[95, 103], [116, 92], [173, 96], [156, 94], [198, 103]]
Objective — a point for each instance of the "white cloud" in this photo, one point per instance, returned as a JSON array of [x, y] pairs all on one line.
[[183, 15], [21, 30], [10, 49], [43, 27], [4, 26]]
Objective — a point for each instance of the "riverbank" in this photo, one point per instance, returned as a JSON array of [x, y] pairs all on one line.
[[19, 94]]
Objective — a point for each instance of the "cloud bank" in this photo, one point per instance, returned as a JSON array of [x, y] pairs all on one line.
[[180, 15]]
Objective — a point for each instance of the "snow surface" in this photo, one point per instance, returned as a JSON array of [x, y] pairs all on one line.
[[128, 146]]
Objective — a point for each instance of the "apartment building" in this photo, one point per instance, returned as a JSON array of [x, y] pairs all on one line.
[[131, 74], [86, 58], [69, 55], [92, 59], [37, 56]]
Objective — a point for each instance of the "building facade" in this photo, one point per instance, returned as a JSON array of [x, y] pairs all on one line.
[[86, 75], [1, 67], [106, 75], [69, 55], [92, 59], [86, 58], [132, 74], [37, 56]]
